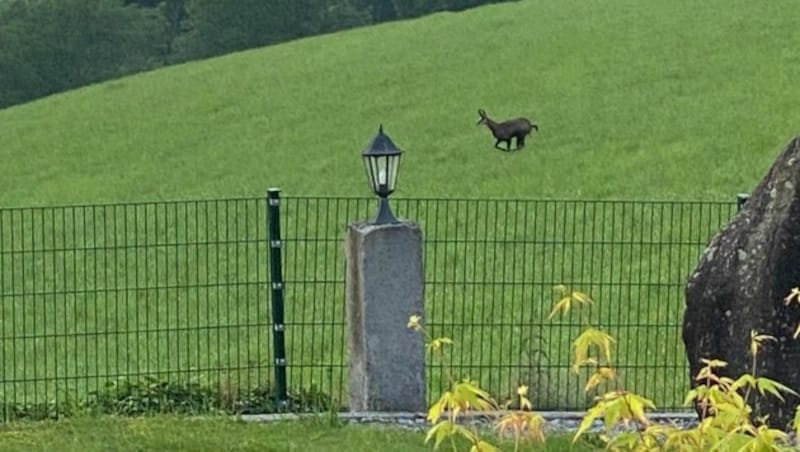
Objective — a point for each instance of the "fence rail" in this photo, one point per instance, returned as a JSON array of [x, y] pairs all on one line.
[[92, 297]]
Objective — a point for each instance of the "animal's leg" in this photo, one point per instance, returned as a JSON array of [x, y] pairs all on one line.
[[520, 142]]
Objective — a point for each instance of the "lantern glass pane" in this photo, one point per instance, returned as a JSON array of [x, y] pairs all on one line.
[[379, 174], [393, 163], [382, 172], [373, 172], [368, 171]]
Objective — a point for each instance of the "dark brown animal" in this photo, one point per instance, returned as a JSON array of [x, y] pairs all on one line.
[[517, 128]]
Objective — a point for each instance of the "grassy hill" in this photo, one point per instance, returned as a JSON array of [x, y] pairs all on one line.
[[672, 99]]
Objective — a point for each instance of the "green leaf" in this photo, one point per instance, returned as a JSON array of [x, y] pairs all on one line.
[[563, 305], [773, 387], [582, 297], [435, 411], [593, 413], [696, 394], [439, 343], [614, 411], [439, 431], [445, 429], [624, 441], [742, 382], [483, 446], [591, 337], [461, 430], [637, 406], [797, 421], [469, 395]]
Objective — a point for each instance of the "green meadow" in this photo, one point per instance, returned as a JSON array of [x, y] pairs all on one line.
[[213, 434], [664, 101]]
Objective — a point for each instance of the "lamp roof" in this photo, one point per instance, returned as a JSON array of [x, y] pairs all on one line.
[[381, 145]]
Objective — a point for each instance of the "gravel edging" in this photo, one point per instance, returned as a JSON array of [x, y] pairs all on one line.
[[555, 421]]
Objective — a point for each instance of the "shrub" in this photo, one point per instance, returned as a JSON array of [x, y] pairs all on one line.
[[151, 395], [726, 423]]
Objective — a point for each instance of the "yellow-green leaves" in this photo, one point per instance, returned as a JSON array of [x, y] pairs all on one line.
[[727, 418], [797, 421], [751, 438], [763, 385], [463, 396], [614, 407], [757, 342], [524, 403], [446, 429], [522, 424], [415, 323], [482, 446], [567, 300], [728, 425], [590, 339], [438, 343], [602, 374], [794, 296], [707, 372]]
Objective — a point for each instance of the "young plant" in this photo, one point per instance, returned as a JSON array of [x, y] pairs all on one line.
[[567, 300], [523, 424], [463, 397], [726, 415]]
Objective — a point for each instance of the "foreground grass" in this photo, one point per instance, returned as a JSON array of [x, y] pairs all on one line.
[[185, 434], [665, 100]]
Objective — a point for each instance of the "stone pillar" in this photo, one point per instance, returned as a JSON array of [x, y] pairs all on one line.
[[385, 286]]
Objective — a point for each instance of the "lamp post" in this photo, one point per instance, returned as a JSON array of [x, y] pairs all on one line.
[[384, 287], [381, 161]]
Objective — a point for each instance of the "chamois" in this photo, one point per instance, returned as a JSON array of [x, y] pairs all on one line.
[[517, 128]]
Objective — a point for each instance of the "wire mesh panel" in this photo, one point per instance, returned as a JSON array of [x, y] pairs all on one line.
[[314, 275], [91, 296], [491, 267], [180, 291]]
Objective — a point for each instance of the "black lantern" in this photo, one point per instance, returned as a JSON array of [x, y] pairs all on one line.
[[381, 160]]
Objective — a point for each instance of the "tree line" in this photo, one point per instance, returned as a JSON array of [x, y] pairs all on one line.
[[49, 46]]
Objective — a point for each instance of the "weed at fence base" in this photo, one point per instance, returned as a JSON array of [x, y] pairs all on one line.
[[151, 395]]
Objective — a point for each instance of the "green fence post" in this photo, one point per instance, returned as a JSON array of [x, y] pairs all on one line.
[[741, 198], [278, 327]]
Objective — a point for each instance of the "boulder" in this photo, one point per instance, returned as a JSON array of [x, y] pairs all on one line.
[[740, 284]]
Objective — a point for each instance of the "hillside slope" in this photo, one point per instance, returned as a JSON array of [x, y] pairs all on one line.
[[672, 100]]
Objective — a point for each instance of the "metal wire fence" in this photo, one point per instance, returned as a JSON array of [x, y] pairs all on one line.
[[180, 292], [95, 296], [491, 267]]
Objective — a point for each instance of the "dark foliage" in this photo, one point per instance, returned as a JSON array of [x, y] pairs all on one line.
[[49, 46], [153, 396]]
